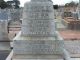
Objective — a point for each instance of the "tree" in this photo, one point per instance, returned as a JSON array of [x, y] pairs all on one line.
[[71, 4], [3, 4], [1, 0], [13, 4], [55, 6], [9, 4], [17, 3]]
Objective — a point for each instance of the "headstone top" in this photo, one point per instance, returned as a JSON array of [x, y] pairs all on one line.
[[38, 18]]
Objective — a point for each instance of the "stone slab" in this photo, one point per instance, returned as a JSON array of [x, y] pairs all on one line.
[[37, 45], [38, 19], [75, 58], [3, 31], [36, 57], [5, 46]]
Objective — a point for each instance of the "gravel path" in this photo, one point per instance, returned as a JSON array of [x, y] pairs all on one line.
[[73, 47]]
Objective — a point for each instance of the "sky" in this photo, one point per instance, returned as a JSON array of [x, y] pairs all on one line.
[[59, 2]]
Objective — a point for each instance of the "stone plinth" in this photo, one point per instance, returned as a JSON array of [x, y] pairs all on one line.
[[38, 57], [38, 45], [4, 31], [4, 41], [78, 10]]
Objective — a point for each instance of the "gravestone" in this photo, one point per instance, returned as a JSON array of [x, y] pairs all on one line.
[[15, 14], [38, 38], [67, 14], [4, 39], [14, 17], [4, 25], [3, 15]]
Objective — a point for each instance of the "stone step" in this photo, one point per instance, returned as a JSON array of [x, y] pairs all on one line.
[[37, 59], [41, 57]]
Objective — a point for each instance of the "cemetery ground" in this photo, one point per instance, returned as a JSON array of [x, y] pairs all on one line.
[[71, 40]]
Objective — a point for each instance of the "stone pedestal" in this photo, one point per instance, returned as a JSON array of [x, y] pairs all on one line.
[[38, 45], [38, 38], [4, 31], [4, 41], [38, 48]]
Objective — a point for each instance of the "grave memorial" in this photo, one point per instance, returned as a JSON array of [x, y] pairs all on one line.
[[4, 39], [38, 38], [3, 25]]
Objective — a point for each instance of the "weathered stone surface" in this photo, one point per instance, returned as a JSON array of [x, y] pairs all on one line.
[[38, 45], [38, 57], [5, 46], [15, 14], [3, 14], [3, 31], [38, 19]]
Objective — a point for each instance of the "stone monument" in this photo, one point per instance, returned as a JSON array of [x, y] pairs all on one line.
[[38, 38], [4, 39]]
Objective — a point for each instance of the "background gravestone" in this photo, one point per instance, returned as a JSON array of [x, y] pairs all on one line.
[[4, 40], [4, 25], [15, 14], [3, 15]]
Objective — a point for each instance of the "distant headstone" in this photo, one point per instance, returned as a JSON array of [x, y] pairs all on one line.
[[15, 14], [67, 14], [4, 25], [3, 15], [78, 10], [75, 16], [4, 39]]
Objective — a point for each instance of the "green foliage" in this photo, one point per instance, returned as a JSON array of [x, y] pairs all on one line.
[[9, 4], [17, 3], [1, 0], [71, 4], [3, 4], [13, 3]]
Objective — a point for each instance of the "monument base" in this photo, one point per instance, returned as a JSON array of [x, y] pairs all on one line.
[[26, 48]]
